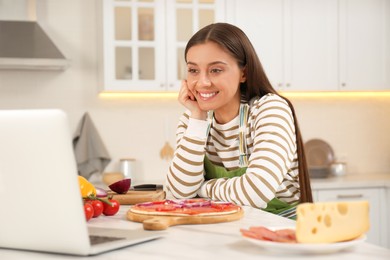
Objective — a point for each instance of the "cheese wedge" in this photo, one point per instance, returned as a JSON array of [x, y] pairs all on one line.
[[328, 222]]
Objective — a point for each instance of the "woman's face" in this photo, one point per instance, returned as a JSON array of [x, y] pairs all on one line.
[[214, 78]]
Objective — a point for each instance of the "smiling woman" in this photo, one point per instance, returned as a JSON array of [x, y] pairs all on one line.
[[238, 139]]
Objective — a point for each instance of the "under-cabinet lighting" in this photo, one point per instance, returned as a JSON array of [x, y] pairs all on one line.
[[362, 94], [119, 95], [336, 94]]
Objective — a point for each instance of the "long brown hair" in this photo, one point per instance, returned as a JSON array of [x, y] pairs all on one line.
[[235, 41]]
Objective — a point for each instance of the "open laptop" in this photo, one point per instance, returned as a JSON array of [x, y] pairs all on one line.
[[39, 184]]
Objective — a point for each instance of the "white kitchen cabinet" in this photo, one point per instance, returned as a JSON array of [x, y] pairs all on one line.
[[387, 219], [311, 45], [378, 233], [296, 41], [255, 18], [321, 45], [144, 41], [364, 44]]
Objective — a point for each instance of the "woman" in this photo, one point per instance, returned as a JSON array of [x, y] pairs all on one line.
[[238, 140]]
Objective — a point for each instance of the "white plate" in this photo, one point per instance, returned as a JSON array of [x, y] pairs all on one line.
[[318, 153], [304, 248]]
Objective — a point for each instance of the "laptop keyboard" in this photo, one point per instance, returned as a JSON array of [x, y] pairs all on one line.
[[103, 239]]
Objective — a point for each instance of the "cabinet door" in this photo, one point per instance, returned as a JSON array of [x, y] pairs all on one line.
[[144, 41], [133, 44], [311, 51], [386, 213], [296, 41], [365, 44], [184, 18], [374, 196], [262, 21]]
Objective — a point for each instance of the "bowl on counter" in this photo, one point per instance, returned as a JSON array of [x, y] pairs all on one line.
[[318, 172], [338, 168]]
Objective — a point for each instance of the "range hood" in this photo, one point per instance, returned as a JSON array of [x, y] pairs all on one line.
[[25, 45]]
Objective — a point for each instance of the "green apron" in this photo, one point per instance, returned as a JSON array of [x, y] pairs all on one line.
[[212, 171], [274, 206]]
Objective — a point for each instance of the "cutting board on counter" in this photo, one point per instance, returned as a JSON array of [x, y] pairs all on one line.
[[158, 222], [133, 197]]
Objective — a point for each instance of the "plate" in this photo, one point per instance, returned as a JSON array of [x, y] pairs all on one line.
[[305, 248], [318, 153]]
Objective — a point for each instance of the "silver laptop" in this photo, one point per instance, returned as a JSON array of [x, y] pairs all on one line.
[[38, 182]]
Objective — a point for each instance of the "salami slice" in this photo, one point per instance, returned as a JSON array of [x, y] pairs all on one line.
[[263, 233]]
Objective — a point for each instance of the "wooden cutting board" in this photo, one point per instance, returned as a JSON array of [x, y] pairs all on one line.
[[156, 222], [133, 197]]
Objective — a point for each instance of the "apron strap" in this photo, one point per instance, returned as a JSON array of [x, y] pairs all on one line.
[[243, 157], [243, 123]]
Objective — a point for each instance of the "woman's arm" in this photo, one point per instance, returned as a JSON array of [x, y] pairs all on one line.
[[274, 147], [185, 174]]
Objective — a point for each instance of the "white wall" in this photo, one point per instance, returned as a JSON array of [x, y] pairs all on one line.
[[357, 128]]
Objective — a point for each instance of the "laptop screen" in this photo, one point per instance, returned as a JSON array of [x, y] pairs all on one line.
[[38, 175]]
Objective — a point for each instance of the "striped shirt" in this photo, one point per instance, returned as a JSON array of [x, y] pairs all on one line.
[[272, 156]]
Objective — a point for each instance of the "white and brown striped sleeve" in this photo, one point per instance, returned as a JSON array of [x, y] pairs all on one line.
[[185, 174], [274, 146]]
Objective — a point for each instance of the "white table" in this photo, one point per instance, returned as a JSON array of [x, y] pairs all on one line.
[[213, 241]]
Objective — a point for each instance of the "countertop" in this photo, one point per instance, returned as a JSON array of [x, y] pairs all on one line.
[[352, 181], [219, 241]]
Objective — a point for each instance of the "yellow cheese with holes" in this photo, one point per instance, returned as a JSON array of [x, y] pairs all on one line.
[[328, 222]]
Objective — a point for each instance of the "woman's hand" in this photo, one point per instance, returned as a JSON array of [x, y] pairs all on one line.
[[188, 100]]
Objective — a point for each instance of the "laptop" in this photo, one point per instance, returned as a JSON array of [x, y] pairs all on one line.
[[39, 184]]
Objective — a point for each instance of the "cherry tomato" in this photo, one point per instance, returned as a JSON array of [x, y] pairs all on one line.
[[88, 209], [111, 210], [97, 207]]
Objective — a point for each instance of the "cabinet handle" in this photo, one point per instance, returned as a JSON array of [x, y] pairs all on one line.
[[288, 85], [343, 84], [280, 84], [171, 85], [350, 196], [161, 85]]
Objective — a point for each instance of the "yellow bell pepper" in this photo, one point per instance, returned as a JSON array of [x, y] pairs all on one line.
[[86, 188]]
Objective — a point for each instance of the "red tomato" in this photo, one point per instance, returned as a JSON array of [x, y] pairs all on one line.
[[97, 207], [88, 209], [111, 210]]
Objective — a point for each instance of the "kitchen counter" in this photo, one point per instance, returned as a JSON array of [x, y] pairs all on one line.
[[352, 181], [221, 241], [375, 188]]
